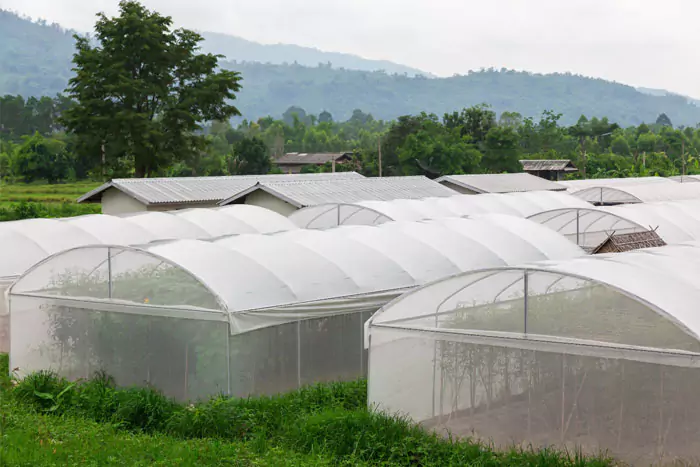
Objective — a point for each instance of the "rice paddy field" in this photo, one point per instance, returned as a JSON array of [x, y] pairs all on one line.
[[21, 201], [45, 420]]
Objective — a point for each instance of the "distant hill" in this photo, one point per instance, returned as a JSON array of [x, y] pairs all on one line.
[[663, 92], [35, 60], [242, 50]]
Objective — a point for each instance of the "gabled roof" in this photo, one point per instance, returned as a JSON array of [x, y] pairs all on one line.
[[310, 158], [312, 192], [559, 165], [501, 183], [178, 190], [620, 243]]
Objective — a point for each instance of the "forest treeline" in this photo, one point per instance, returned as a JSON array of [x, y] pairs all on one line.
[[35, 60], [34, 146]]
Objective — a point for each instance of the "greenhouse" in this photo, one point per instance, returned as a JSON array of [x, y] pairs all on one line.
[[576, 185], [675, 222], [638, 193], [26, 242], [597, 353], [377, 212], [589, 227], [245, 314]]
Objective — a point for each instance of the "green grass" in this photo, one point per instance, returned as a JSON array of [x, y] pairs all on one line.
[[22, 201], [93, 422]]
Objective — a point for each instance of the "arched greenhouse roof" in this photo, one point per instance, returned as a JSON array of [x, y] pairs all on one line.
[[520, 204], [616, 299], [675, 221], [638, 193], [28, 241], [279, 275], [587, 227]]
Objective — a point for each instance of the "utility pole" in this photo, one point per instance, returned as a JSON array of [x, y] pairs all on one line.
[[583, 155], [683, 159], [379, 150]]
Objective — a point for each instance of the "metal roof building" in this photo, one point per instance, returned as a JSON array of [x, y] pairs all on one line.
[[286, 197], [127, 195], [498, 183], [549, 169]]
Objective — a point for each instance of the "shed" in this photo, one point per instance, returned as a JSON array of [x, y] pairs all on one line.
[[549, 169], [620, 243], [292, 162], [285, 197], [498, 183], [127, 195]]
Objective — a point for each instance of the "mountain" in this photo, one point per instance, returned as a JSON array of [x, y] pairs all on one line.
[[35, 60], [663, 92], [242, 50]]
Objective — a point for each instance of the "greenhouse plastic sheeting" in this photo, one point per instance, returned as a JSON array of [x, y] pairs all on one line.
[[377, 212], [630, 194], [26, 242], [601, 353], [674, 221], [293, 303], [588, 227]]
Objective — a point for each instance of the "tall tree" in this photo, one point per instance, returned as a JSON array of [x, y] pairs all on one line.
[[143, 90], [663, 120]]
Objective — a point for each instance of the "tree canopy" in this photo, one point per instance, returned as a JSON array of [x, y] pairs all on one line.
[[142, 90]]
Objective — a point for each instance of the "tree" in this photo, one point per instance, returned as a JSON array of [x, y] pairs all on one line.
[[250, 157], [663, 120], [294, 111], [620, 146], [502, 151], [142, 90], [39, 158]]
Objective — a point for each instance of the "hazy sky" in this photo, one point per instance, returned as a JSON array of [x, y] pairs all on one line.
[[638, 42]]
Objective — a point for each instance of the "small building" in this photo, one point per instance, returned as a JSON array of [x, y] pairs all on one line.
[[549, 169], [497, 183], [285, 197], [128, 195], [620, 243], [292, 162]]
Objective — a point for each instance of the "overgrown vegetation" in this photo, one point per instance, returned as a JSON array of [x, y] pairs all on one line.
[[326, 424]]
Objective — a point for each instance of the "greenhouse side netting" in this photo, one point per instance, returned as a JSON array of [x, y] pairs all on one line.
[[597, 354], [246, 314], [26, 242]]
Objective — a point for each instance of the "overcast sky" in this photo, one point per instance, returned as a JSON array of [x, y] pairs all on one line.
[[638, 42]]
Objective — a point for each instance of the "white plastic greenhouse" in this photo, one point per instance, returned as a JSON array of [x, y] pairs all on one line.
[[377, 212], [638, 193], [588, 227], [26, 242], [597, 353], [676, 221], [247, 314]]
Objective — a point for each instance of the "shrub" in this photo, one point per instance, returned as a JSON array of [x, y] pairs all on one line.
[[46, 391]]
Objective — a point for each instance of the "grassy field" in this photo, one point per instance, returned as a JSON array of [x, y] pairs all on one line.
[[44, 193], [21, 201], [47, 421]]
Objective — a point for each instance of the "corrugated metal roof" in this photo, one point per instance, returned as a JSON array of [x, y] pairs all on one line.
[[502, 183], [303, 158], [178, 190], [313, 192], [557, 165]]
